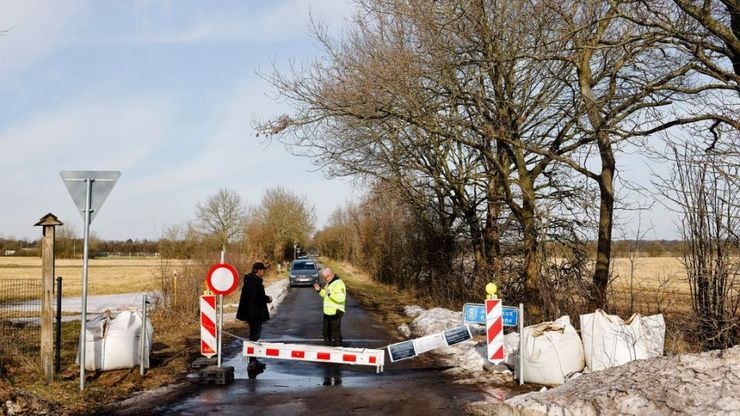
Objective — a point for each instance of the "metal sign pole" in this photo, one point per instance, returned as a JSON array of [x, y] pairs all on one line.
[[83, 317], [521, 344], [143, 335], [220, 316]]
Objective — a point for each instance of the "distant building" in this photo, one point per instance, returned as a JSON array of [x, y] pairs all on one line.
[[10, 252]]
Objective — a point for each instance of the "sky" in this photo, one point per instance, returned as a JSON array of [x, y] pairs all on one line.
[[167, 92]]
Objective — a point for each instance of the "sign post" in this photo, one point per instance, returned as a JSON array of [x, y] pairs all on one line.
[[88, 199], [49, 222], [520, 365], [222, 279]]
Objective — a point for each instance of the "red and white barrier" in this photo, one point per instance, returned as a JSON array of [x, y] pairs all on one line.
[[208, 342], [495, 330], [339, 355]]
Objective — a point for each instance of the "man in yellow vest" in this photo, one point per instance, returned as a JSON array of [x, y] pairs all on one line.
[[334, 295]]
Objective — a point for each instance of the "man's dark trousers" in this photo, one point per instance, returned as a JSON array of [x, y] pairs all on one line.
[[333, 329], [255, 330]]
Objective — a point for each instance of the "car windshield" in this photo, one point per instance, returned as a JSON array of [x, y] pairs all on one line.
[[304, 266]]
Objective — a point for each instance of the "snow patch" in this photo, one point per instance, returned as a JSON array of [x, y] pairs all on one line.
[[277, 290], [413, 310]]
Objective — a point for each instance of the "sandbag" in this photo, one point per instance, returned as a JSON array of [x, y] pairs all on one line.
[[552, 351], [608, 341], [115, 343]]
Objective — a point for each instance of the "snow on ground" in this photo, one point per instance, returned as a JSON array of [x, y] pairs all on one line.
[[277, 290], [468, 358], [707, 383]]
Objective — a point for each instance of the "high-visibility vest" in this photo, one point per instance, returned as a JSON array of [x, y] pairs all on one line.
[[334, 294]]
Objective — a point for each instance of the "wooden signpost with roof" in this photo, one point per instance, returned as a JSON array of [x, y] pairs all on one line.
[[49, 222]]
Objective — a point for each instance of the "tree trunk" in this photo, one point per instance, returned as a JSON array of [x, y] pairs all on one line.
[[606, 216]]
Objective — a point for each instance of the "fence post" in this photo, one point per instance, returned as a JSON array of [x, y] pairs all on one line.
[[143, 334], [48, 222], [58, 355]]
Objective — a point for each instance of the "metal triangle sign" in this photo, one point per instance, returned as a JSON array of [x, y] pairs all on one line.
[[102, 182]]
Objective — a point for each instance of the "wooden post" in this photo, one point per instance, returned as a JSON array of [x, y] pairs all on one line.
[[49, 222]]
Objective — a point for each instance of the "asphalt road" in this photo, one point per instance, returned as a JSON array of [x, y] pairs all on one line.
[[297, 388]]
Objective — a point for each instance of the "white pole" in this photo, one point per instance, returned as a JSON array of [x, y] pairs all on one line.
[[220, 317], [83, 316], [521, 344]]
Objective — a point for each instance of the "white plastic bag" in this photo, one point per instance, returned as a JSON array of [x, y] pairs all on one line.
[[608, 341], [552, 351]]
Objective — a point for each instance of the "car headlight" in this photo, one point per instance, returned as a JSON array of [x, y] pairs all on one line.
[[293, 276]]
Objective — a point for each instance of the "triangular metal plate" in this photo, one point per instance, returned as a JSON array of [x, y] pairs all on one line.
[[103, 182]]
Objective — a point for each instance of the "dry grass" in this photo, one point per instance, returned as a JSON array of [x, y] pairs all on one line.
[[105, 276], [652, 272]]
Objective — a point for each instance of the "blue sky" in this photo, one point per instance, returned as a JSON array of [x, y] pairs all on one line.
[[167, 93], [164, 91]]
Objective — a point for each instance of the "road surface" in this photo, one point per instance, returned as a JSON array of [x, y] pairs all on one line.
[[298, 388]]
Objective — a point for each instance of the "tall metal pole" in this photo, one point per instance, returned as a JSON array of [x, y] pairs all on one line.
[[143, 334], [58, 358], [83, 317], [220, 316], [521, 344]]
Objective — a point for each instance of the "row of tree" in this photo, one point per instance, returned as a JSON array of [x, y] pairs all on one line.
[[491, 129]]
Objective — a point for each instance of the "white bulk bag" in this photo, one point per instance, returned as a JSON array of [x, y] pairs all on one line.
[[94, 339], [511, 349], [552, 351], [119, 346], [608, 341], [653, 331]]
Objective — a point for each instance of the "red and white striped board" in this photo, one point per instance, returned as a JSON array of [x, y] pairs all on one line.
[[208, 325], [495, 330], [340, 355]]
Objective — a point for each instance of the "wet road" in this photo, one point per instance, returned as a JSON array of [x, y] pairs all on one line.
[[299, 388]]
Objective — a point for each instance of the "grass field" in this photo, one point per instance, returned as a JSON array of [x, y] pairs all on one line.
[[105, 276], [134, 274]]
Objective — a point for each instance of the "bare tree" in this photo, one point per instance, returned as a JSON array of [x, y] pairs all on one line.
[[707, 30], [221, 216], [703, 188], [284, 218]]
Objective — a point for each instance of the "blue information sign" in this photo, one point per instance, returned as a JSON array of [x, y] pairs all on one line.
[[475, 313], [511, 315]]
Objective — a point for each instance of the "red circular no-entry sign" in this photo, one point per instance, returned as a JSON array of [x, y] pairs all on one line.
[[222, 279]]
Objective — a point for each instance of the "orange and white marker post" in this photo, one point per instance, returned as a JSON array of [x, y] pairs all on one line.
[[208, 344]]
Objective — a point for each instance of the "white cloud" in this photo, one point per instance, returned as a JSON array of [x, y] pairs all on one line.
[[106, 133], [284, 21], [33, 30]]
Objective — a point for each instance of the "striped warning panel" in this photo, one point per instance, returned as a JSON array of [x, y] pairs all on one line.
[[495, 330], [208, 325], [338, 355]]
